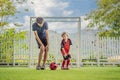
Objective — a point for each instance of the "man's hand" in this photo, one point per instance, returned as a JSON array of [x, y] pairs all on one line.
[[42, 47], [47, 48]]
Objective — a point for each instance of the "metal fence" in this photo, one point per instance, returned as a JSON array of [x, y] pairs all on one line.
[[87, 48], [100, 51]]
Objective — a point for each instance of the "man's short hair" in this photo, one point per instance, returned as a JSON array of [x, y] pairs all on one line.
[[39, 19]]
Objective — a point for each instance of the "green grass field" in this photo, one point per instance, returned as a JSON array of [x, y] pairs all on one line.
[[84, 73]]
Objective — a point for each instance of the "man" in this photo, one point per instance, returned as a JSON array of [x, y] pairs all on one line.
[[40, 29]]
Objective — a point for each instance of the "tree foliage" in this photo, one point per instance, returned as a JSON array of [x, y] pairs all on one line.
[[8, 37], [6, 9], [106, 17]]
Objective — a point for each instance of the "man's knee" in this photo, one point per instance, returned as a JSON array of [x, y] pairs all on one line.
[[42, 50], [46, 52]]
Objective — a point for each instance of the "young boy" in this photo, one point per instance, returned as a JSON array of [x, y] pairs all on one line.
[[65, 47]]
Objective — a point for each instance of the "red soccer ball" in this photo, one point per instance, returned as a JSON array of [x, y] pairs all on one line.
[[53, 66]]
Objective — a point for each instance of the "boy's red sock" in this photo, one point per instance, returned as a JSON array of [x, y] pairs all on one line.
[[68, 62], [63, 63]]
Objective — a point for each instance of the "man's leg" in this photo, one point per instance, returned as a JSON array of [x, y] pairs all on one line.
[[40, 56], [45, 56], [38, 67]]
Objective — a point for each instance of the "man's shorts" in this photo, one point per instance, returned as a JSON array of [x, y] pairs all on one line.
[[44, 41]]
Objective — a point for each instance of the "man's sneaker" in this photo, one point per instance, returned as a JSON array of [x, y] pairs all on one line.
[[43, 67], [38, 67]]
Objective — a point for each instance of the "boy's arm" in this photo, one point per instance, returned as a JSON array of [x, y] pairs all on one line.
[[70, 42], [62, 47], [64, 53]]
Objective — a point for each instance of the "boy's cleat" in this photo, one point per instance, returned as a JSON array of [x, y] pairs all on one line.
[[67, 68], [38, 67], [62, 68]]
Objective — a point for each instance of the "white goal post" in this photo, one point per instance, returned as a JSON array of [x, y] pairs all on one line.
[[57, 19]]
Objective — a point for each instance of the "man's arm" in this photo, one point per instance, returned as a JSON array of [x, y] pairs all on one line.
[[38, 39], [47, 37]]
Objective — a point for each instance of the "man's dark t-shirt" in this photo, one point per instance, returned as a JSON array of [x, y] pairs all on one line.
[[40, 30]]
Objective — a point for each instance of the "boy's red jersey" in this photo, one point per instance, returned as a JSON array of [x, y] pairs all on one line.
[[66, 46]]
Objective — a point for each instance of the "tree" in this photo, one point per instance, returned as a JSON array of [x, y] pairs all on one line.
[[8, 37], [106, 17], [6, 9]]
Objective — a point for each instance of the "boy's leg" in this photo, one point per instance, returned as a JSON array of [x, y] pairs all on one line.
[[68, 60], [64, 60], [63, 63], [68, 63]]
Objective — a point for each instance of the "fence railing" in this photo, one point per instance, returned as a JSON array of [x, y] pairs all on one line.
[[100, 50], [93, 50]]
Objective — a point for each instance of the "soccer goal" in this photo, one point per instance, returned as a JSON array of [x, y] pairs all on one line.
[[57, 25]]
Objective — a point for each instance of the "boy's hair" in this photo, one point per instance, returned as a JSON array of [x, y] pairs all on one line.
[[64, 33]]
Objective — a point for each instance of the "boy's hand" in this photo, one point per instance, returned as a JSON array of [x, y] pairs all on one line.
[[65, 55], [68, 56]]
